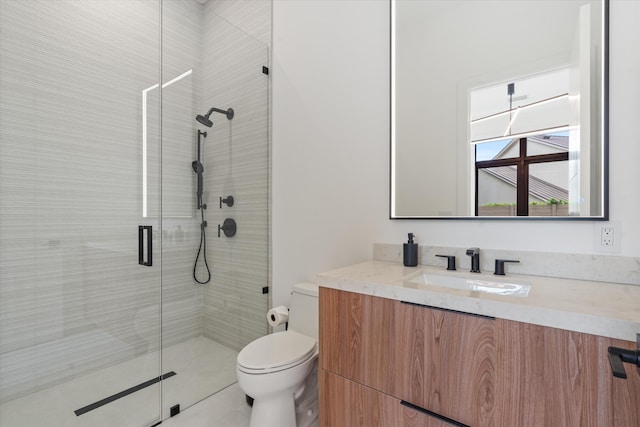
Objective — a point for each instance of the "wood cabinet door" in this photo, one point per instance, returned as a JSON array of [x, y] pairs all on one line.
[[358, 338], [447, 363], [520, 380], [553, 377], [345, 403]]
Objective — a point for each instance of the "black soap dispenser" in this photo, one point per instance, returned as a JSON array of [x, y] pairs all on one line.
[[410, 252]]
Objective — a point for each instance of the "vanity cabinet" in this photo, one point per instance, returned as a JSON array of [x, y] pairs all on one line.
[[388, 363]]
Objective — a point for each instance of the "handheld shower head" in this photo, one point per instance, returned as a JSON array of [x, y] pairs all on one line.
[[197, 167], [205, 120], [199, 170]]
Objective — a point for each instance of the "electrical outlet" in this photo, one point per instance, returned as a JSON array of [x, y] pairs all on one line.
[[606, 237]]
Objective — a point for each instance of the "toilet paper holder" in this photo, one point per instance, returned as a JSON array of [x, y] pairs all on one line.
[[277, 316]]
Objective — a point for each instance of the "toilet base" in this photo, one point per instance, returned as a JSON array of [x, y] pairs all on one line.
[[276, 412], [274, 392]]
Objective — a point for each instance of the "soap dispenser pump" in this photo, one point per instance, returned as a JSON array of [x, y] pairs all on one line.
[[410, 252]]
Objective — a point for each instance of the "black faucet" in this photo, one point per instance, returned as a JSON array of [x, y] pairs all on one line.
[[474, 253]]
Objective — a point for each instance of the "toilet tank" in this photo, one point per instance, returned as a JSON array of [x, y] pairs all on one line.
[[303, 311]]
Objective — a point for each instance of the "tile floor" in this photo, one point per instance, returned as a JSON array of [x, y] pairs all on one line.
[[202, 367], [227, 408]]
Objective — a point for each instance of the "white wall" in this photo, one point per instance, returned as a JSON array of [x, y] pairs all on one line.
[[331, 146]]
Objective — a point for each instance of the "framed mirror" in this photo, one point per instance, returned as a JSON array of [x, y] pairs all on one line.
[[499, 109]]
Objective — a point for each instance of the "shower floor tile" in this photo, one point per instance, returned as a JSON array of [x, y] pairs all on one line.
[[202, 367]]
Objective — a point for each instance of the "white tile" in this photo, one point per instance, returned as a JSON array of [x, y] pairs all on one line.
[[202, 367], [226, 408]]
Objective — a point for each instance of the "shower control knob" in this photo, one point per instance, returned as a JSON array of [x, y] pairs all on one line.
[[228, 201], [228, 227]]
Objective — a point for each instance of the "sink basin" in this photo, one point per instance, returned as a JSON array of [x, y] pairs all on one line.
[[480, 284]]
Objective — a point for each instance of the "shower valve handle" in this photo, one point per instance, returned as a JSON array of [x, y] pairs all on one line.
[[229, 227], [228, 201]]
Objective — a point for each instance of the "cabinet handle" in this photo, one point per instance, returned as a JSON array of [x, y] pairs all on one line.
[[482, 316], [619, 355], [433, 414]]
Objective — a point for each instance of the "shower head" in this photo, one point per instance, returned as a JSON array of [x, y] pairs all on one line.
[[205, 120]]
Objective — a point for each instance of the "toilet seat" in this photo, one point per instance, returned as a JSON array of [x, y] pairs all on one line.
[[276, 352]]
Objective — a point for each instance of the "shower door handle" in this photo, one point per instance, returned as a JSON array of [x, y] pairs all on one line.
[[141, 245]]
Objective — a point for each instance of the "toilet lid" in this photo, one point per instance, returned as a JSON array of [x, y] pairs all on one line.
[[277, 350]]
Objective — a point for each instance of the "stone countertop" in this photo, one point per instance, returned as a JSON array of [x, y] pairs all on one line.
[[598, 308]]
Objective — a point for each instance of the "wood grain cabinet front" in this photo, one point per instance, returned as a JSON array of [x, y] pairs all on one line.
[[358, 338], [554, 377], [376, 353], [446, 363], [346, 403], [400, 349]]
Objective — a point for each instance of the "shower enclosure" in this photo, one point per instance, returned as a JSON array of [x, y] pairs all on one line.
[[101, 320]]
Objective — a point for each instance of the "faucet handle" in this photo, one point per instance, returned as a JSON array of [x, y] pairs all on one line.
[[499, 270], [451, 261]]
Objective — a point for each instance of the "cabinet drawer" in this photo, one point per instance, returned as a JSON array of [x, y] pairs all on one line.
[[554, 377], [447, 363], [358, 338], [437, 359], [354, 405], [344, 403]]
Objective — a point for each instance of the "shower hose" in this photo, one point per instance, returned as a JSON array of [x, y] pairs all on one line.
[[202, 249]]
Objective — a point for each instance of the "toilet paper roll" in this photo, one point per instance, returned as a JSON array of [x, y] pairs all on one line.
[[278, 315]]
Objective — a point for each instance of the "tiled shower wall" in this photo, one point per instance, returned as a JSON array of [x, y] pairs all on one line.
[[237, 155], [71, 82], [72, 78]]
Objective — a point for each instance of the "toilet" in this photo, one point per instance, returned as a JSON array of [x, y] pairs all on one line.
[[274, 368]]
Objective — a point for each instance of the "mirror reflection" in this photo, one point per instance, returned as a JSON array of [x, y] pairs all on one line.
[[498, 108]]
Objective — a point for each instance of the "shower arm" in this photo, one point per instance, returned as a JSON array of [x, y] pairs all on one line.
[[229, 113]]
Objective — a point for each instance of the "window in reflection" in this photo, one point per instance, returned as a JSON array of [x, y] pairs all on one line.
[[526, 176]]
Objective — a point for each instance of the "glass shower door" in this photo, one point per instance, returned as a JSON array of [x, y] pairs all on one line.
[[80, 295], [210, 63]]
